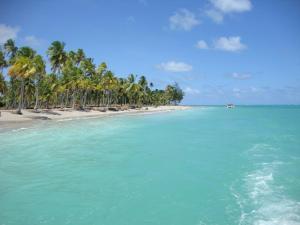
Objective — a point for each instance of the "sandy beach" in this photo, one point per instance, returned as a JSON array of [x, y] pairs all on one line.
[[10, 120]]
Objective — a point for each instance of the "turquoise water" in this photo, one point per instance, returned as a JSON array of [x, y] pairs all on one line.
[[205, 166]]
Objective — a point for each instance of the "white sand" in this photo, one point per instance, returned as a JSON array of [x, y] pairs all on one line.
[[8, 116]]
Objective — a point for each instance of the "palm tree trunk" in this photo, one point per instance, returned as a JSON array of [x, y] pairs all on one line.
[[108, 100], [74, 99], [84, 99], [19, 111], [36, 97], [62, 100], [97, 99], [67, 99], [102, 99]]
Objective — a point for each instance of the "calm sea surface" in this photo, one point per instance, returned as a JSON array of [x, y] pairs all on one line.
[[204, 166]]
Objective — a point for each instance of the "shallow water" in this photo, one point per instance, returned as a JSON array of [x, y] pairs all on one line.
[[205, 166]]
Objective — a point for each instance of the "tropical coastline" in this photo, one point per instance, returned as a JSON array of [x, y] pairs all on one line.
[[149, 112], [75, 84], [74, 87]]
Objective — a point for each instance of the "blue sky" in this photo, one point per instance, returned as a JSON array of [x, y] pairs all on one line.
[[219, 51]]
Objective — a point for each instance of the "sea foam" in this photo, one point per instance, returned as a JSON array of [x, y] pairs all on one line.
[[265, 201]]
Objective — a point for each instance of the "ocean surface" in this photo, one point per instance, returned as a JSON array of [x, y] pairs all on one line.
[[204, 166]]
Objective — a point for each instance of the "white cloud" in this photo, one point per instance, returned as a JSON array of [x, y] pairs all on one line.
[[232, 44], [202, 44], [219, 8], [32, 41], [7, 32], [191, 91], [240, 76], [183, 19], [215, 15], [173, 66], [250, 91], [229, 6]]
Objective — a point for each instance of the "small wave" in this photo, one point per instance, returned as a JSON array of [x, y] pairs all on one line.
[[282, 212], [61, 120], [240, 203], [261, 149], [259, 183], [261, 200], [19, 129], [266, 203], [201, 223], [271, 206]]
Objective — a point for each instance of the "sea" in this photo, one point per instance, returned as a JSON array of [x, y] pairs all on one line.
[[203, 166]]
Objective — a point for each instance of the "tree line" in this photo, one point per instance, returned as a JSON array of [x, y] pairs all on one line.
[[74, 81]]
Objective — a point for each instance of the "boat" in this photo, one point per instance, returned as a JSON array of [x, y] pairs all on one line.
[[230, 106]]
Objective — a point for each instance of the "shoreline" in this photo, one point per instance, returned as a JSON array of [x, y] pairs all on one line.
[[9, 120]]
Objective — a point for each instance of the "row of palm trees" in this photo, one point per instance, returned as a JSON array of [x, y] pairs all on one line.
[[75, 81]]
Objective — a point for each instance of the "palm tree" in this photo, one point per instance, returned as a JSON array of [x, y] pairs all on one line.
[[101, 69], [26, 51], [122, 90], [2, 84], [22, 68], [144, 87], [3, 62], [143, 82], [133, 89], [72, 76], [3, 88], [57, 56], [29, 90], [80, 56], [49, 88], [40, 68], [10, 49], [72, 56], [96, 78], [131, 78], [173, 94], [28, 84], [88, 67], [109, 83], [85, 85]]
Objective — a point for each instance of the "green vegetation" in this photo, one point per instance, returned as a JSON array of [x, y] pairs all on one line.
[[75, 81]]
